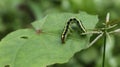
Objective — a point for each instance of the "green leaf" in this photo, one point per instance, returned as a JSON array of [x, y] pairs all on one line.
[[27, 48]]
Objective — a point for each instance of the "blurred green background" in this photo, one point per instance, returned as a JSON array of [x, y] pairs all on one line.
[[18, 14]]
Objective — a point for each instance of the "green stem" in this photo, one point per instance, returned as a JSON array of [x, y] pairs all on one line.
[[105, 37], [104, 49]]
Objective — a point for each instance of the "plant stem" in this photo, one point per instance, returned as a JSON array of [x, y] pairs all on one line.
[[104, 49], [105, 37]]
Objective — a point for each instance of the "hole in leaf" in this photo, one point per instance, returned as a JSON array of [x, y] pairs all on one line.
[[24, 37], [7, 66]]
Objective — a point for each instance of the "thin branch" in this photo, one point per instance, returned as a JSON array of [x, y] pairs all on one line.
[[98, 37], [105, 34], [104, 49], [115, 31], [92, 32]]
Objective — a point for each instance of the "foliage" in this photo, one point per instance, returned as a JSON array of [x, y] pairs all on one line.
[[46, 48], [18, 14]]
